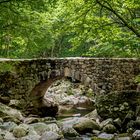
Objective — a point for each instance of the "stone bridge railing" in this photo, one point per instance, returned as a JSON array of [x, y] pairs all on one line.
[[22, 79]]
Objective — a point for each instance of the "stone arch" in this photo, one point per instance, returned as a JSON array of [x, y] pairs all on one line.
[[37, 95], [40, 89]]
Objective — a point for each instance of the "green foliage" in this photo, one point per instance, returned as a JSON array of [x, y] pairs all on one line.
[[25, 31], [61, 28], [69, 91], [89, 93], [137, 79], [5, 67]]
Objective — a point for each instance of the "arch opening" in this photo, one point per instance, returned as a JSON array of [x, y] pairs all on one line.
[[37, 107], [42, 106]]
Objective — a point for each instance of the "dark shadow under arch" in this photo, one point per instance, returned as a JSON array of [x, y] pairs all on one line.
[[37, 95], [38, 92]]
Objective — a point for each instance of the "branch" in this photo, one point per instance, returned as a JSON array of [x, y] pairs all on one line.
[[132, 14], [120, 18]]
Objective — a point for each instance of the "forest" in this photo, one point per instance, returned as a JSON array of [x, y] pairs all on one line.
[[69, 28]]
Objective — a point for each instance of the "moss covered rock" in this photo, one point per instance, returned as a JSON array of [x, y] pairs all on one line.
[[117, 104], [8, 112], [109, 128], [20, 131], [86, 125], [40, 128]]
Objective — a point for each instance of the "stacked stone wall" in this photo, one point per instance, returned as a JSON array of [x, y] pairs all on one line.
[[19, 77]]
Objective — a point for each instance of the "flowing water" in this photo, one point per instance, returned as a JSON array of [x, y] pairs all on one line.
[[63, 89], [74, 112]]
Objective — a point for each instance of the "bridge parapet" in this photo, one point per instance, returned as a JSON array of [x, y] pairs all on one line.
[[19, 78]]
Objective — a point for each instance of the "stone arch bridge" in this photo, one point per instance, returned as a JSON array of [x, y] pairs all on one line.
[[27, 80]]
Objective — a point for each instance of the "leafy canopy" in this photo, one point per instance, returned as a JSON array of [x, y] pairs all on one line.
[[42, 28]]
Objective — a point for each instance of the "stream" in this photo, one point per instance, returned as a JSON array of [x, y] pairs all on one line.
[[75, 117], [75, 113], [73, 102]]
